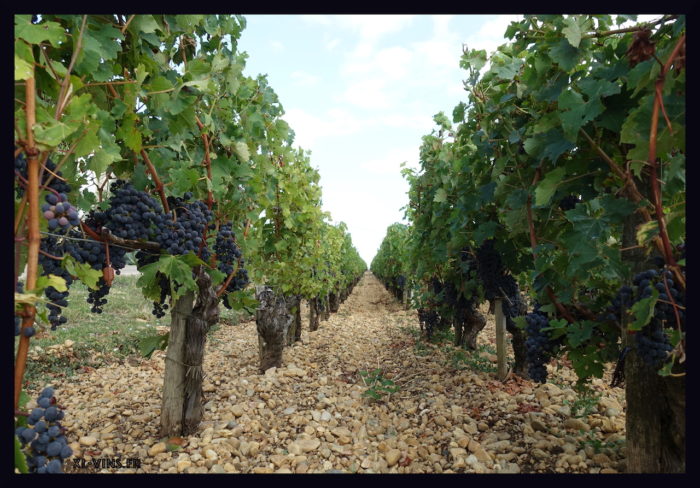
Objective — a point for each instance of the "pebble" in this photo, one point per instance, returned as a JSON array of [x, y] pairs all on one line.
[[88, 440], [303, 445], [392, 456], [576, 424], [309, 415], [157, 449]]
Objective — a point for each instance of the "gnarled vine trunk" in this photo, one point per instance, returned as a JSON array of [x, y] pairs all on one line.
[[294, 310], [272, 320], [297, 319], [473, 324], [182, 405], [333, 302], [655, 413], [313, 314], [172, 411], [204, 315], [325, 313]]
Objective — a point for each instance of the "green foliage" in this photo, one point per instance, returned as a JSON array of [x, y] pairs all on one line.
[[148, 345], [377, 385], [20, 458], [592, 439], [586, 402], [459, 359], [156, 85], [560, 112]]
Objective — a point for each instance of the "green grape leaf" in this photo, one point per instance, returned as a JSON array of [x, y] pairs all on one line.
[[485, 231], [148, 345], [43, 282], [440, 195], [143, 24], [565, 55], [576, 112], [548, 186], [509, 69], [643, 310], [459, 112], [20, 458], [89, 141], [579, 332], [587, 362], [23, 69], [37, 33], [184, 178], [473, 59], [50, 133], [83, 271], [576, 26]]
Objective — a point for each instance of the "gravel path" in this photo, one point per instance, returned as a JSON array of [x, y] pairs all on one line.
[[310, 415]]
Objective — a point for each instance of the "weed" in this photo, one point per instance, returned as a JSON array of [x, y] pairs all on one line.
[[420, 349], [377, 385], [597, 444], [586, 402], [440, 336], [461, 359]]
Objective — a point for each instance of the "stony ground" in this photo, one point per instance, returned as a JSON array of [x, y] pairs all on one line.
[[310, 415]]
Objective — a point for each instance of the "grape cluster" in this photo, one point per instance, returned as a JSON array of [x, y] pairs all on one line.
[[490, 270], [497, 282], [539, 345], [652, 342], [58, 299], [622, 302], [239, 282], [569, 202], [18, 321], [20, 170], [228, 254], [428, 319], [185, 233], [60, 213], [44, 441], [132, 214], [56, 184], [653, 347], [144, 258], [401, 282]]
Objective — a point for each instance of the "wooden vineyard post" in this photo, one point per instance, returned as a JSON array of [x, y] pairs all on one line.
[[501, 340], [171, 416]]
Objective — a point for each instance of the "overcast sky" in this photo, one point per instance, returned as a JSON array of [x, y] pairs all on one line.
[[360, 91]]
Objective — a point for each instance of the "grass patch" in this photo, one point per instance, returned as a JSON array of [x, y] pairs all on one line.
[[459, 358], [99, 339], [586, 402]]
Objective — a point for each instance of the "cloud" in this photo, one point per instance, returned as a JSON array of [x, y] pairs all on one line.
[[390, 163], [331, 44], [370, 93], [366, 214], [302, 78], [372, 27], [490, 35], [309, 128], [277, 46]]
